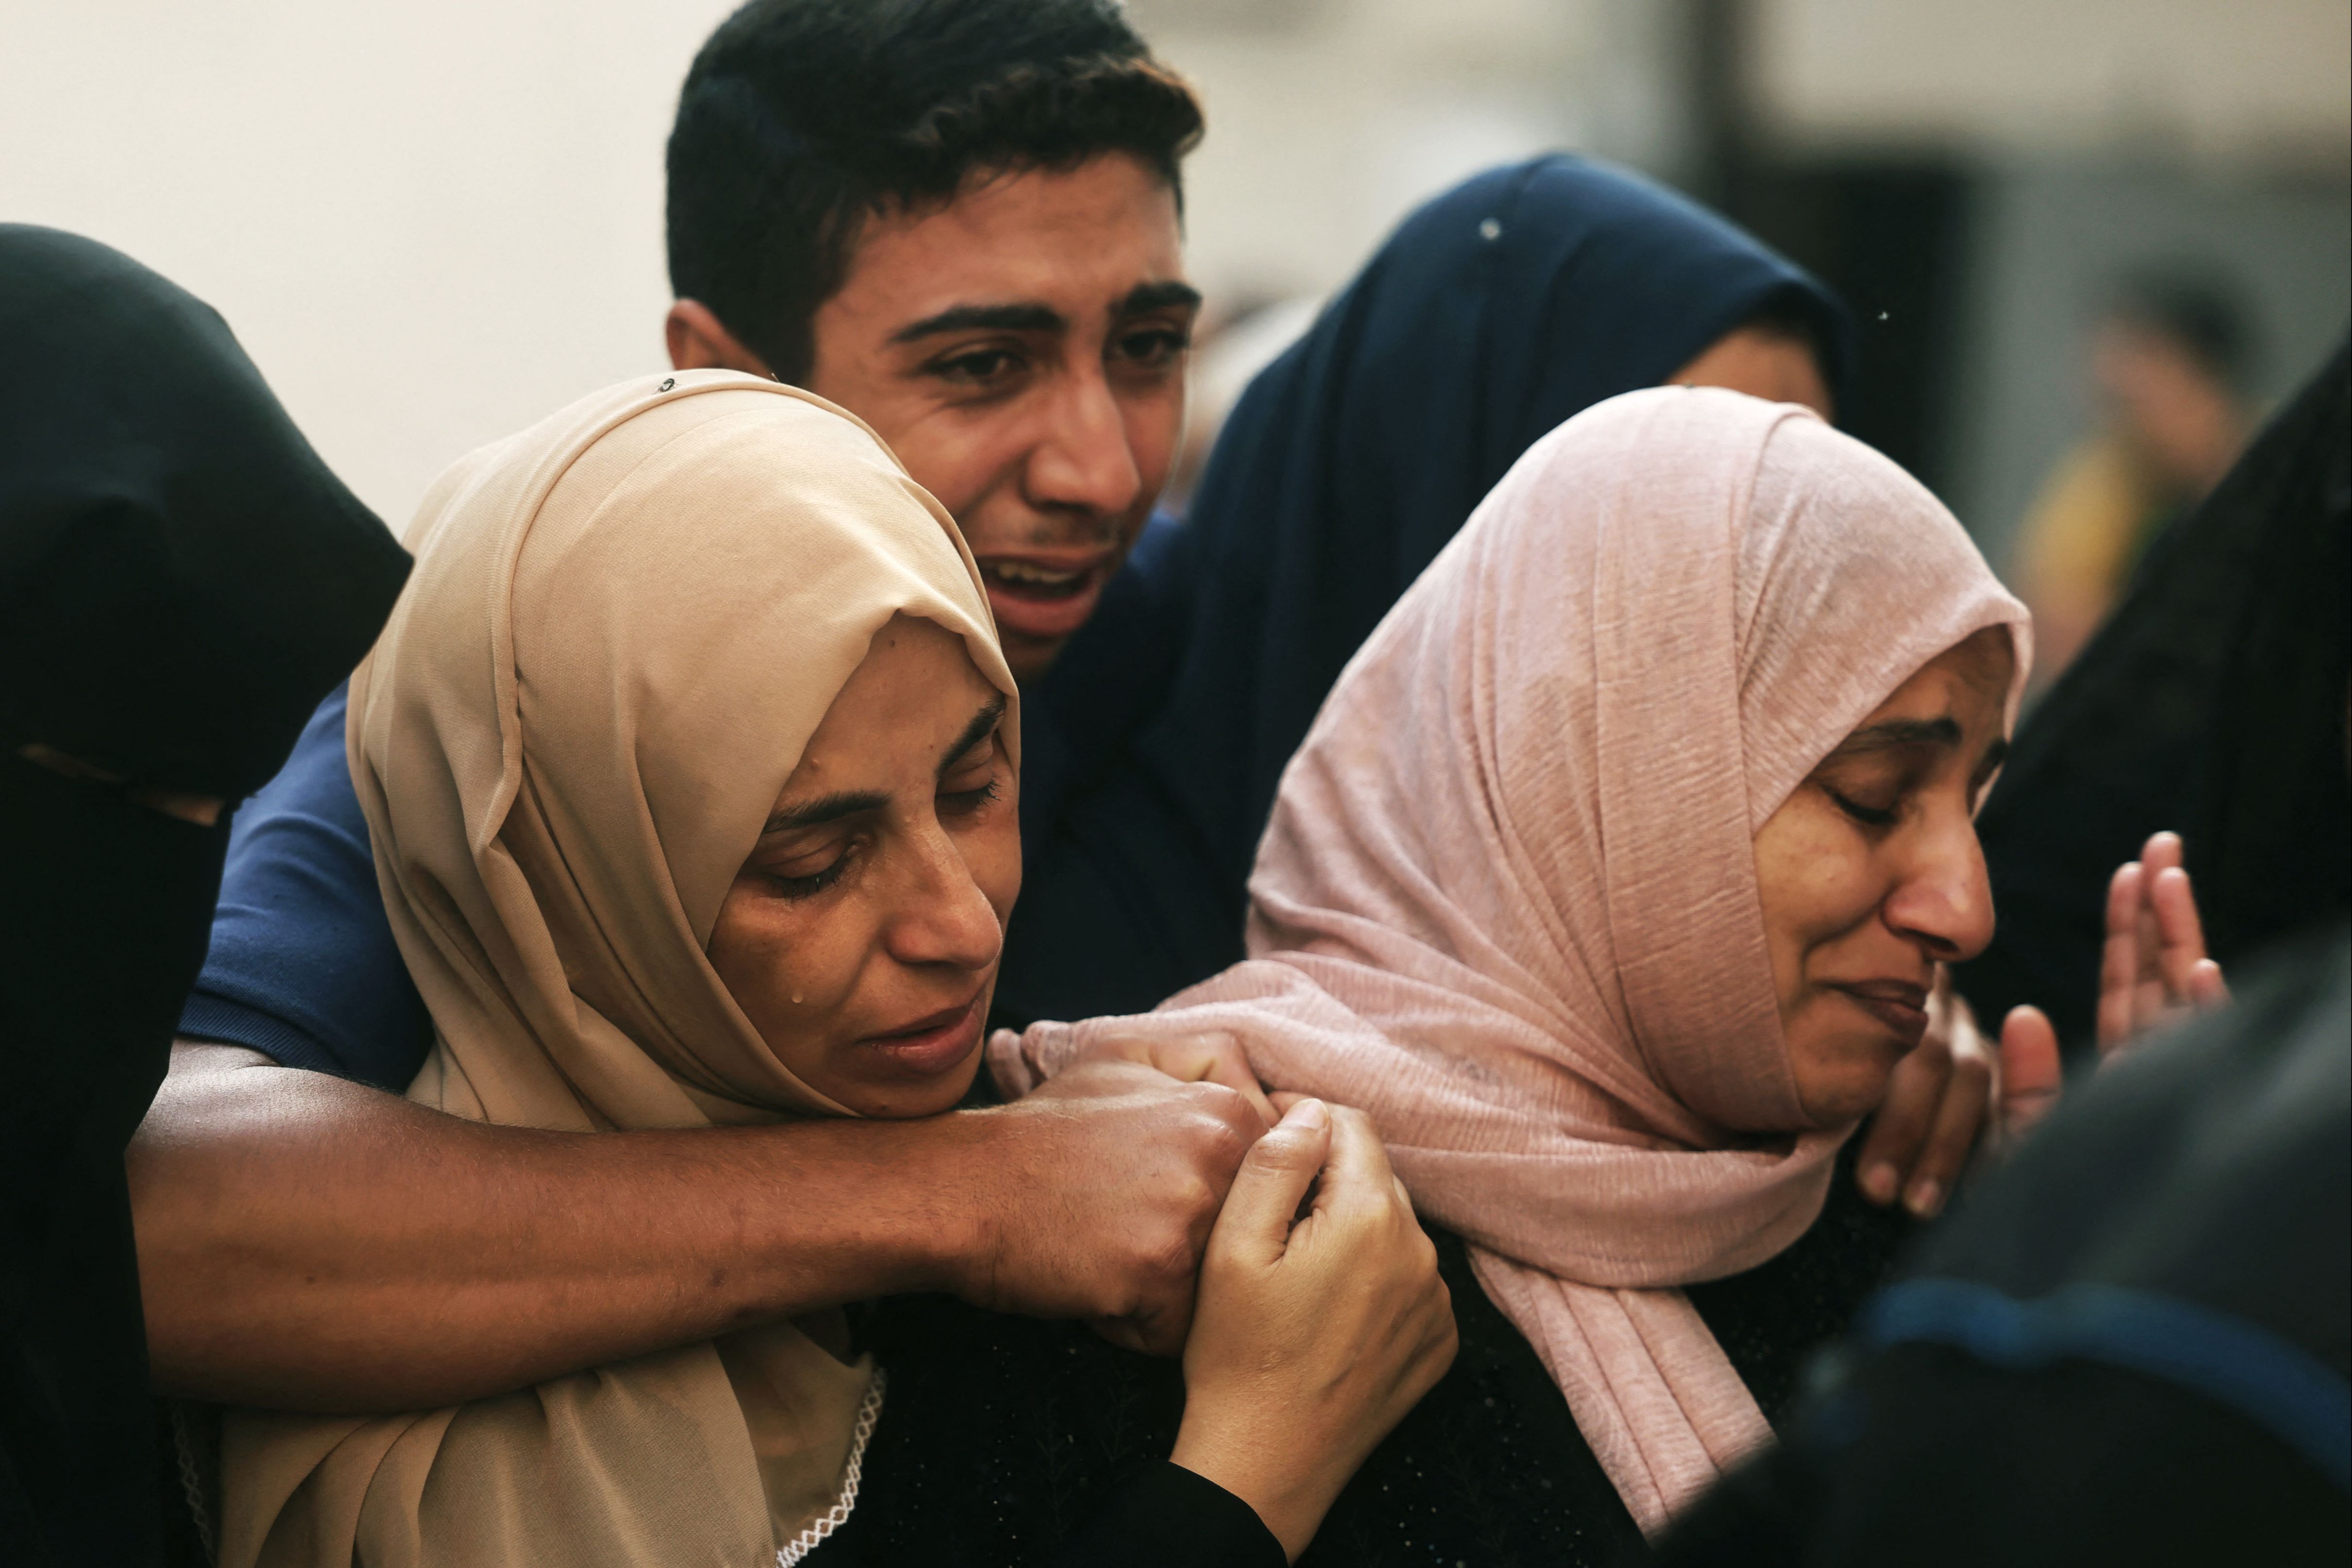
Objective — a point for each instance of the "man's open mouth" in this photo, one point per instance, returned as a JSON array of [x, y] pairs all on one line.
[[1026, 581]]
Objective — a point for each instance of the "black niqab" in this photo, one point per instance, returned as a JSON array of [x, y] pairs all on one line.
[[2211, 703], [181, 580]]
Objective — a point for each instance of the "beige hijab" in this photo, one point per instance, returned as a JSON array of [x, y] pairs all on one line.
[[1508, 900], [623, 626]]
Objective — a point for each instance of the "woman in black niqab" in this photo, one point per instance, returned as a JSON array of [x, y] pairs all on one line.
[[2211, 703], [181, 580]]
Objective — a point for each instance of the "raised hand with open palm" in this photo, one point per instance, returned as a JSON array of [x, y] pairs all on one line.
[[2153, 972]]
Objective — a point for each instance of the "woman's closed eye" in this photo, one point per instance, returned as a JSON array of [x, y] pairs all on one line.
[[968, 801], [1870, 788], [973, 779], [1862, 811], [803, 871]]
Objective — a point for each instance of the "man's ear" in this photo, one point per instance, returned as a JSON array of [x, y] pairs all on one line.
[[699, 342]]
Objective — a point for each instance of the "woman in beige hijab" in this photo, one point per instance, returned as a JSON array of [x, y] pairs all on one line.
[[543, 702], [651, 868]]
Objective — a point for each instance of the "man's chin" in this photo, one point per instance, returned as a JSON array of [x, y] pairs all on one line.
[[1028, 657], [1039, 625]]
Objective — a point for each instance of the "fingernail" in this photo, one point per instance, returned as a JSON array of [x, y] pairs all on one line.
[[1878, 1183], [1305, 1113], [1925, 1198]]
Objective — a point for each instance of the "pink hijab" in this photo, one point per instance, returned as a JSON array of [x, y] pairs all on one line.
[[1507, 900]]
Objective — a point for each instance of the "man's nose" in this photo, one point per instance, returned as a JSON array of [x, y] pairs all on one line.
[[1082, 461], [1944, 900]]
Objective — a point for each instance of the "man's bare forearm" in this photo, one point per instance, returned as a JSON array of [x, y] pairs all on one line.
[[310, 1244]]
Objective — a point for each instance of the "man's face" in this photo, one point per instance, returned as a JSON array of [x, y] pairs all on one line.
[[1022, 349]]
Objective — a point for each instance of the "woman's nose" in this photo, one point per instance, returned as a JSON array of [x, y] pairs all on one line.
[[1944, 900], [943, 917]]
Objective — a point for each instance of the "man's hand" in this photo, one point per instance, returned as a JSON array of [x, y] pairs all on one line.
[[1214, 1057], [277, 1271], [1936, 1101], [1102, 1188]]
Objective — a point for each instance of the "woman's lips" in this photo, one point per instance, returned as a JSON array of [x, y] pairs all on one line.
[[1040, 596], [1901, 1005], [930, 1047]]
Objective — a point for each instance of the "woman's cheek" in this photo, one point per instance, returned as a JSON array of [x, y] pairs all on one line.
[[1832, 887], [769, 954], [992, 852]]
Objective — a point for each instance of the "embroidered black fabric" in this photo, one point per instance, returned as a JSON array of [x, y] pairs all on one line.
[[1006, 1437]]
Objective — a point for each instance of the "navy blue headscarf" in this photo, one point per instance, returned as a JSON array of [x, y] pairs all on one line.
[[1497, 312]]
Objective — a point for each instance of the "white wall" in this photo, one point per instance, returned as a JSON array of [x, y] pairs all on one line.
[[1329, 120], [430, 223], [435, 221], [2211, 81]]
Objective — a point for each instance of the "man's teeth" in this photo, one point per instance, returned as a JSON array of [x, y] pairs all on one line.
[[1031, 576]]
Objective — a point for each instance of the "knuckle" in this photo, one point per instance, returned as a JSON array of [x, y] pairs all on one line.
[[1171, 1260], [1224, 1116], [1217, 1098], [1197, 1205], [1216, 1145], [1276, 1152]]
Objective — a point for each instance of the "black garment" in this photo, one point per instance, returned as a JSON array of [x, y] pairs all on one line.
[[1004, 1438], [2212, 703], [181, 580], [1170, 1518], [100, 927], [1152, 750], [2134, 1346]]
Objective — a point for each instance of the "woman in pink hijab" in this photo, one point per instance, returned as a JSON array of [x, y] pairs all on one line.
[[1613, 880]]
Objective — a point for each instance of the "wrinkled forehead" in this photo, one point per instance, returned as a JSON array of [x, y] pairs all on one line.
[[1852, 577]]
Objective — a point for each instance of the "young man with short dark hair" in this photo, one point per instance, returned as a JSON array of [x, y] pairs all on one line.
[[958, 219], [980, 258]]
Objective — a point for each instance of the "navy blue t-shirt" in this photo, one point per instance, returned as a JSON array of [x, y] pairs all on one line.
[[303, 967]]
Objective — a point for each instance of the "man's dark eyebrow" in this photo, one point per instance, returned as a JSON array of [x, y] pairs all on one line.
[[1145, 298], [983, 724], [1897, 733], [1995, 756], [1026, 317], [824, 809]]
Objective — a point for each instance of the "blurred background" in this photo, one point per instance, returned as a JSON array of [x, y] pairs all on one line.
[[2089, 240]]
